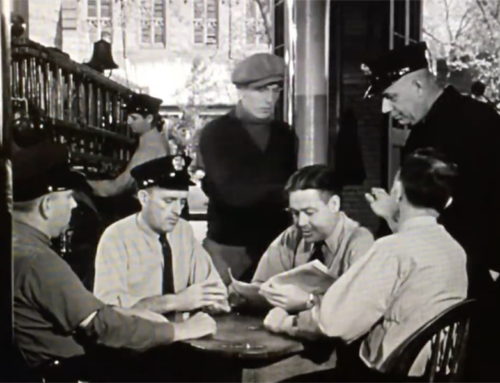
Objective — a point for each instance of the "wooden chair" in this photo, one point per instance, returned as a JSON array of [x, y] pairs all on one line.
[[447, 335]]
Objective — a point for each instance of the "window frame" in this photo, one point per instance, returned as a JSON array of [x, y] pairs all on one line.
[[205, 23], [152, 44], [97, 21]]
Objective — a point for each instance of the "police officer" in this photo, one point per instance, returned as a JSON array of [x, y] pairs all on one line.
[[144, 120], [467, 132], [247, 157], [55, 316]]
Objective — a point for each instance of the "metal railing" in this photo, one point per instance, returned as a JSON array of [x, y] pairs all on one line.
[[82, 107]]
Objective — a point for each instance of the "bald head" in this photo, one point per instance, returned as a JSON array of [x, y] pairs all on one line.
[[409, 99]]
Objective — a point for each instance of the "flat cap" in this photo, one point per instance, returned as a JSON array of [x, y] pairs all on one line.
[[169, 172], [142, 103], [41, 169], [389, 68], [259, 70]]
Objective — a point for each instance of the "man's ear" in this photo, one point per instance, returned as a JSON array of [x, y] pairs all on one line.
[[143, 196], [397, 190], [334, 203], [45, 206], [149, 118]]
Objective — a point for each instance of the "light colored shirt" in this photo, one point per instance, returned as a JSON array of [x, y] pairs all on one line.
[[152, 144], [347, 243], [404, 281], [129, 262]]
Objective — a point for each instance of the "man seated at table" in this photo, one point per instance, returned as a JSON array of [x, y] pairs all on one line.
[[320, 232], [404, 281], [55, 317], [151, 259]]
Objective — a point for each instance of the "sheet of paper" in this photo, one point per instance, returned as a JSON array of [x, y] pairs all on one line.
[[243, 288], [312, 277]]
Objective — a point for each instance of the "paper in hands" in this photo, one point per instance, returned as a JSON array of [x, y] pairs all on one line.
[[247, 290], [313, 278]]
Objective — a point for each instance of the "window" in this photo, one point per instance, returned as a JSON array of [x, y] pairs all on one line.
[[206, 15], [255, 30], [99, 18], [153, 31]]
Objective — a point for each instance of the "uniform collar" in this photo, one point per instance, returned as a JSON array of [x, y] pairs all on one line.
[[417, 222], [31, 231], [447, 97]]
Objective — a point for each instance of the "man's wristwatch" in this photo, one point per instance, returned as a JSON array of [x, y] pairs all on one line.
[[311, 301]]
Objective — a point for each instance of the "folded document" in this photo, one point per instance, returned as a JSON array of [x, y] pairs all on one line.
[[313, 278]]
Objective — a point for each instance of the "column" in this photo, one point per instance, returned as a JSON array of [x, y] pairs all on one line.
[[311, 80], [6, 278]]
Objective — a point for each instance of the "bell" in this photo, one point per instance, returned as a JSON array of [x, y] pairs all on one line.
[[102, 58]]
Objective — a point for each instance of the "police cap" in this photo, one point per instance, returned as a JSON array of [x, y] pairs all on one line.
[[41, 169], [259, 70], [389, 68], [170, 172], [142, 104]]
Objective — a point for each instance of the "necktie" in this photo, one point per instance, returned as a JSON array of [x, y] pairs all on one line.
[[317, 252], [168, 273]]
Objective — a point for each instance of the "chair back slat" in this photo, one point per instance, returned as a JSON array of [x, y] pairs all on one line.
[[446, 336]]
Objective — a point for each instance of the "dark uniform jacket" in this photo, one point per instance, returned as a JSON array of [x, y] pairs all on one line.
[[468, 133], [244, 183]]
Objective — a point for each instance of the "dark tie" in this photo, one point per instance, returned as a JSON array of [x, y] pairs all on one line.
[[168, 273], [317, 252]]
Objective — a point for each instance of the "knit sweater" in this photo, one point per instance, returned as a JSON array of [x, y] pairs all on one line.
[[244, 180]]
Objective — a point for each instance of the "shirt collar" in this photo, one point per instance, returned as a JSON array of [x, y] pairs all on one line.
[[31, 231], [417, 222], [333, 240]]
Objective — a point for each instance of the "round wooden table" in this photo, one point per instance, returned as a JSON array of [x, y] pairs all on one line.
[[245, 338]]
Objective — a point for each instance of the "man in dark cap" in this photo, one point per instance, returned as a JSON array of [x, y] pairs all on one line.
[[151, 259], [144, 120], [248, 157], [56, 318], [467, 132]]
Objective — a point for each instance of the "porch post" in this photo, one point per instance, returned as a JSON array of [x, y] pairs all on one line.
[[311, 80]]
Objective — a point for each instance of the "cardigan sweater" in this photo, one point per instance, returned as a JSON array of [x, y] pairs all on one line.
[[244, 182]]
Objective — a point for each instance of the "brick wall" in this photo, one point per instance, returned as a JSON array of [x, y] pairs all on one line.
[[364, 34]]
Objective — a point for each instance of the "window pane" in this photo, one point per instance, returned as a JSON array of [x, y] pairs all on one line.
[[92, 8], [159, 10], [146, 31], [199, 9], [106, 9], [159, 29], [199, 32]]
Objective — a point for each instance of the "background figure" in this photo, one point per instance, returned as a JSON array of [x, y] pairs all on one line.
[[248, 157]]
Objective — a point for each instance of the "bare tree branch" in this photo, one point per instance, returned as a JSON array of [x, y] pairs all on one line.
[[263, 14], [447, 17], [480, 5]]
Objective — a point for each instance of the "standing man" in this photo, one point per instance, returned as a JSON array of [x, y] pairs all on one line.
[[248, 157], [55, 317], [467, 131], [151, 260]]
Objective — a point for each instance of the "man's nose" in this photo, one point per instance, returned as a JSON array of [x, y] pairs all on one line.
[[386, 106], [177, 208], [302, 220]]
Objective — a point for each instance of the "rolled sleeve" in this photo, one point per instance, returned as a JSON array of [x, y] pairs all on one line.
[[60, 294]]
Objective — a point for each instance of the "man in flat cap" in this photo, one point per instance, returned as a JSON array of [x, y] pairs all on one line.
[[151, 259], [144, 120], [56, 318], [467, 132], [248, 156]]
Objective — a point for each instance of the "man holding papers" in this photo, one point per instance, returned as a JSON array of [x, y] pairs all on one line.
[[321, 233], [404, 281]]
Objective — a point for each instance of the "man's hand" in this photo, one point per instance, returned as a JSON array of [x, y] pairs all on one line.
[[287, 297], [382, 204], [197, 326], [201, 294], [218, 308], [275, 319]]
